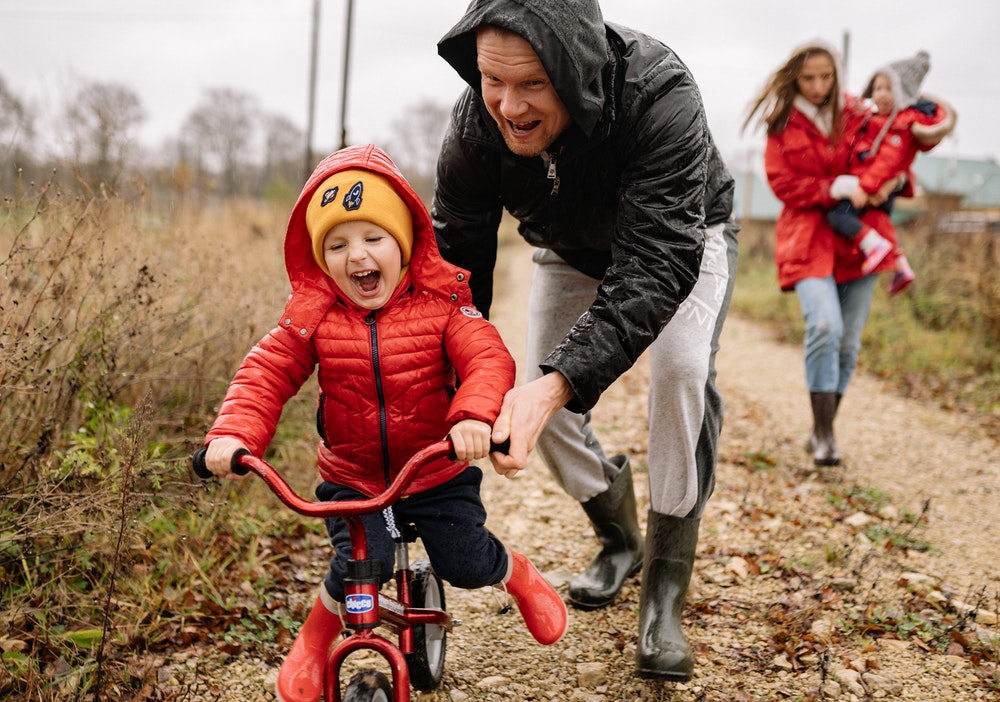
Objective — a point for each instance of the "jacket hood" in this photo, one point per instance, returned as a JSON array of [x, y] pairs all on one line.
[[568, 36], [933, 134], [837, 103], [313, 291]]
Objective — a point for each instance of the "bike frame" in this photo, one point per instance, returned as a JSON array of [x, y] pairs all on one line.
[[366, 607]]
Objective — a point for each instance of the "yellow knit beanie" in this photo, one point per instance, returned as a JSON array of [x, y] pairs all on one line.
[[356, 194]]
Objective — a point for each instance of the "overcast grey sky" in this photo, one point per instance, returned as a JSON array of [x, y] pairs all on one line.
[[170, 52]]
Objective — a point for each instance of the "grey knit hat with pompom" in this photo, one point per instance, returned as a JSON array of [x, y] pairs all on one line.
[[905, 76]]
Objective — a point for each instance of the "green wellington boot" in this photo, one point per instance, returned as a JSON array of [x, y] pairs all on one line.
[[616, 524], [662, 652]]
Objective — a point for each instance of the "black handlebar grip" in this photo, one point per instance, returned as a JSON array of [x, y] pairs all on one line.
[[503, 447], [202, 471], [234, 462], [198, 464]]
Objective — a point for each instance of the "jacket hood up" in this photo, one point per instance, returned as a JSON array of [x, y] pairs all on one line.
[[569, 38], [313, 291]]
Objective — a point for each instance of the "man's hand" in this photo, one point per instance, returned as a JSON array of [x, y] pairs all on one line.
[[525, 411]]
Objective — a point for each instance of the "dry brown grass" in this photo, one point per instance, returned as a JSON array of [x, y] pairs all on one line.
[[959, 269], [118, 333], [101, 308]]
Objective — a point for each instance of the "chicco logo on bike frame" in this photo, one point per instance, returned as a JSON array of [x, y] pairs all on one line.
[[359, 604]]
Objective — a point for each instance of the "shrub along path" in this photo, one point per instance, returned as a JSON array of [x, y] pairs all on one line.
[[878, 579]]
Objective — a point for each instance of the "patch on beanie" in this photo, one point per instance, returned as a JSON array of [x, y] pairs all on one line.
[[352, 200], [328, 196]]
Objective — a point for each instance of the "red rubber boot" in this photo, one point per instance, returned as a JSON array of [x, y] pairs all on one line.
[[540, 605], [300, 678], [875, 247], [903, 276]]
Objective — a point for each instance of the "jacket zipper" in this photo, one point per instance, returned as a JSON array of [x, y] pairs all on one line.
[[552, 174], [380, 393]]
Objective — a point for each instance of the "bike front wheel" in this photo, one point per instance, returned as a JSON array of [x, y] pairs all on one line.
[[369, 686], [426, 663]]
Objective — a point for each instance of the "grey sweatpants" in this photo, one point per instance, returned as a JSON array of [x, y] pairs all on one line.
[[685, 407]]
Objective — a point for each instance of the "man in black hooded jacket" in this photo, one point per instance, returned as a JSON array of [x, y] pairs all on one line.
[[594, 137]]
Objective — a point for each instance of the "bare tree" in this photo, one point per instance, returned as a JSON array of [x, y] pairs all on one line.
[[416, 141], [283, 141], [223, 127], [15, 120], [101, 118], [16, 134]]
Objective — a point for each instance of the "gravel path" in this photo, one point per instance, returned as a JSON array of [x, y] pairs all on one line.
[[792, 598]]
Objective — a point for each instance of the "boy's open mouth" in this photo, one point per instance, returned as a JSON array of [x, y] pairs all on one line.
[[368, 281]]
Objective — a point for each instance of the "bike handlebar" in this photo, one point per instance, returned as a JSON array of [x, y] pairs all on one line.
[[244, 462], [235, 465]]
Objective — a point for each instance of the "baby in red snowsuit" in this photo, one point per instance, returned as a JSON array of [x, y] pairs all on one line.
[[902, 124]]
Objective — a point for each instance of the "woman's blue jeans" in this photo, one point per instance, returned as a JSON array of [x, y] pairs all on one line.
[[835, 316]]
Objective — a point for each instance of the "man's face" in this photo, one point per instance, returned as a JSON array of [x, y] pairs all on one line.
[[518, 93]]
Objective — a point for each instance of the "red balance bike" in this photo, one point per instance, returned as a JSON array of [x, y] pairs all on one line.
[[417, 613]]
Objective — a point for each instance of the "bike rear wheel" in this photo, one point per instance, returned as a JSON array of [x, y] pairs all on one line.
[[369, 686], [426, 663]]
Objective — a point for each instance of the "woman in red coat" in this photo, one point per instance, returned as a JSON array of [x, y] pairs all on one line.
[[392, 329], [810, 122]]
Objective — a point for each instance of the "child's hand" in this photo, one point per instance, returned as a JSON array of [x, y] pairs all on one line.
[[886, 190], [470, 439], [859, 198], [219, 455]]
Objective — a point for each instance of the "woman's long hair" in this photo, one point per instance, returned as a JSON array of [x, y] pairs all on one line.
[[774, 103]]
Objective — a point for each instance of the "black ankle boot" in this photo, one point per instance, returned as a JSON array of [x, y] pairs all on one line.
[[811, 443], [662, 652], [824, 445], [616, 523]]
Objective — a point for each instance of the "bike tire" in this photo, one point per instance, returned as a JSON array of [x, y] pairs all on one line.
[[426, 663], [369, 686]]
